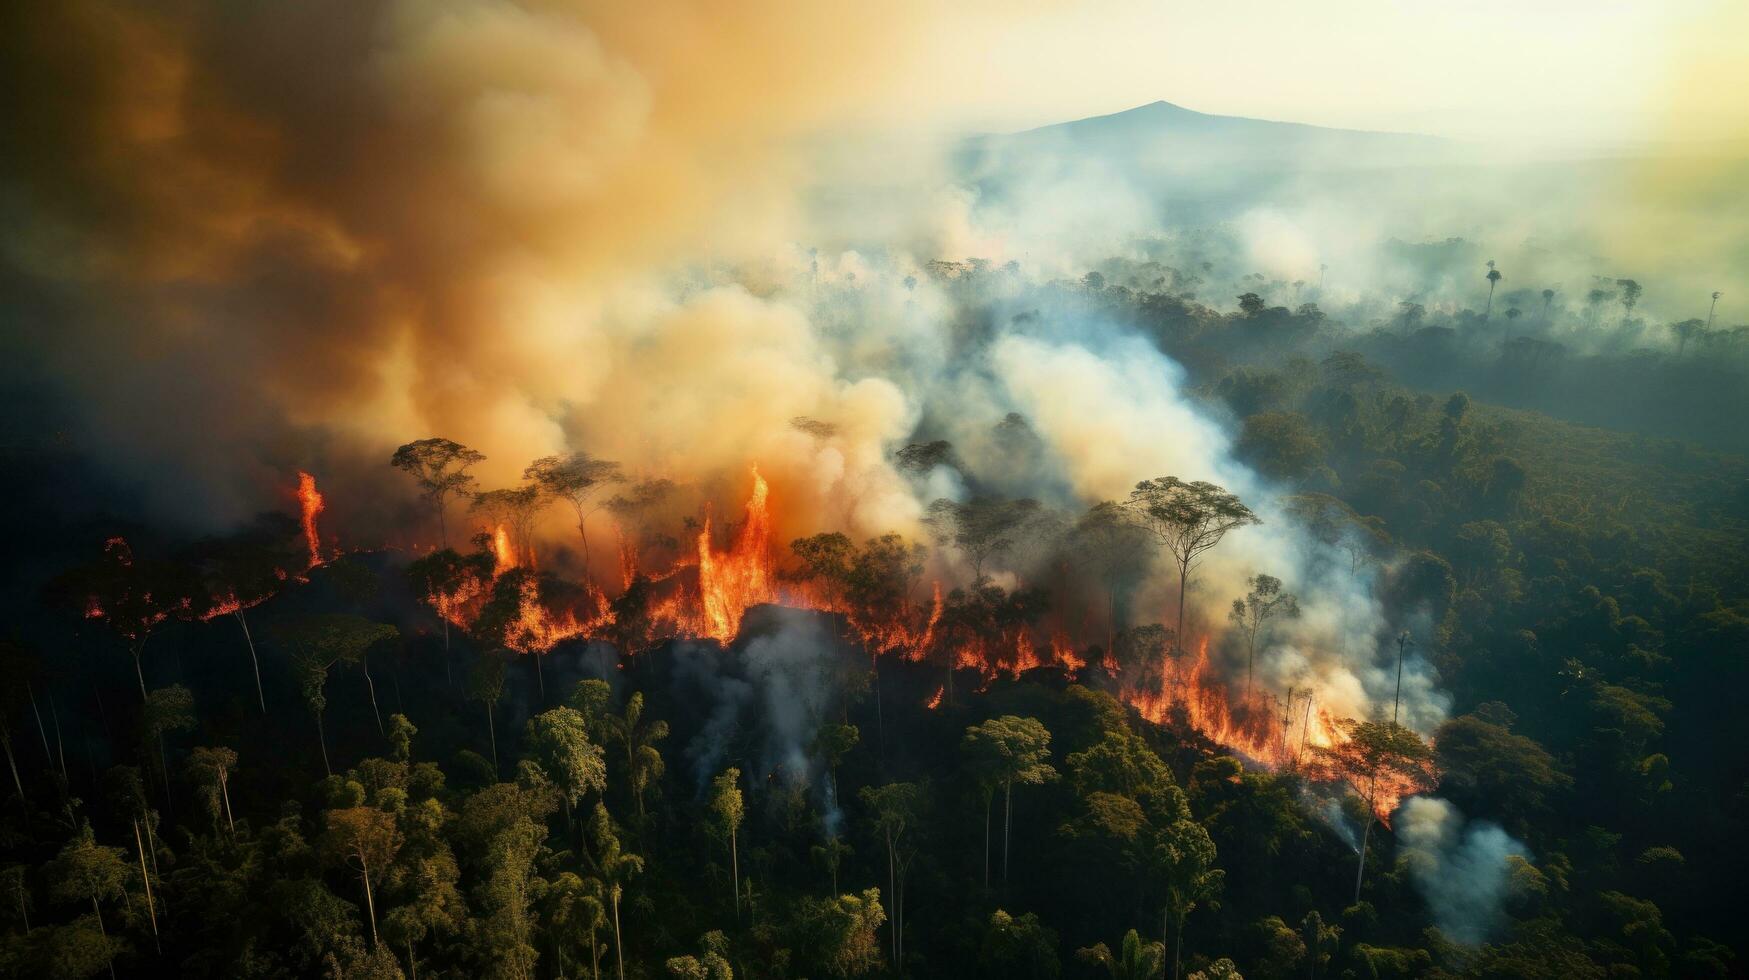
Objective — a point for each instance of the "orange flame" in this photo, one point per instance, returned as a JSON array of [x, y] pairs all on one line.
[[503, 552], [311, 502], [731, 581]]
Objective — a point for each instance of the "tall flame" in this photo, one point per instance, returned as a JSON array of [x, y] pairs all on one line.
[[731, 581], [311, 502]]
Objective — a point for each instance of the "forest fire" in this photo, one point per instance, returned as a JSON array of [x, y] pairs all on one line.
[[311, 504], [731, 582]]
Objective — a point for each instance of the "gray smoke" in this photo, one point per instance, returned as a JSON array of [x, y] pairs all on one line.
[[767, 701], [1461, 868]]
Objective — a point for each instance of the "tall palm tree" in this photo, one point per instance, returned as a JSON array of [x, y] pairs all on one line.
[[1712, 309], [1494, 278], [639, 735]]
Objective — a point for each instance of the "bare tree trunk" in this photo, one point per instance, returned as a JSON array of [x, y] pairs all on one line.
[[412, 963], [987, 799], [151, 908], [492, 730], [364, 662], [735, 870], [1183, 581], [138, 673], [322, 740], [253, 659], [105, 933], [1360, 866], [225, 791], [369, 899], [1007, 824], [23, 801], [40, 730], [619, 949]]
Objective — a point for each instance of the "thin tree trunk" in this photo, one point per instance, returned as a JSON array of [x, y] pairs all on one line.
[[253, 659], [1007, 824], [138, 673], [322, 740], [364, 662], [164, 769], [412, 962], [540, 680], [1178, 948], [1360, 866], [594, 955], [110, 956], [893, 896], [1183, 579], [369, 900], [23, 801], [492, 731], [40, 730], [735, 869], [151, 908], [225, 791], [987, 799], [619, 949]]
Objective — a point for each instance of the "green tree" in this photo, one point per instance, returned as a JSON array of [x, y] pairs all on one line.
[[87, 871], [712, 963], [727, 811], [440, 467], [1189, 519], [401, 732], [618, 868], [639, 735], [1135, 960], [1022, 948], [894, 808], [1184, 859], [559, 743], [211, 769], [167, 709], [322, 642], [366, 840], [576, 915], [486, 685], [1004, 751], [841, 933]]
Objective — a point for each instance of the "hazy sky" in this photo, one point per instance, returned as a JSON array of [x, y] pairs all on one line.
[[1551, 70]]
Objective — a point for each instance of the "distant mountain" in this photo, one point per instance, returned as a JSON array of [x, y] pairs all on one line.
[[1207, 165], [1161, 133]]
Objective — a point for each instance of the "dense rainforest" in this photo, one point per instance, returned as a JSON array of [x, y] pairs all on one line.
[[256, 755]]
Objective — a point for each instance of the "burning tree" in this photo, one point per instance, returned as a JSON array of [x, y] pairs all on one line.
[[133, 597], [578, 479], [246, 569], [635, 507], [511, 512], [448, 581], [441, 469], [1382, 762], [1189, 519]]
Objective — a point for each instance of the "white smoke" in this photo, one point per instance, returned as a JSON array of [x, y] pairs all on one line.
[[1460, 867]]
